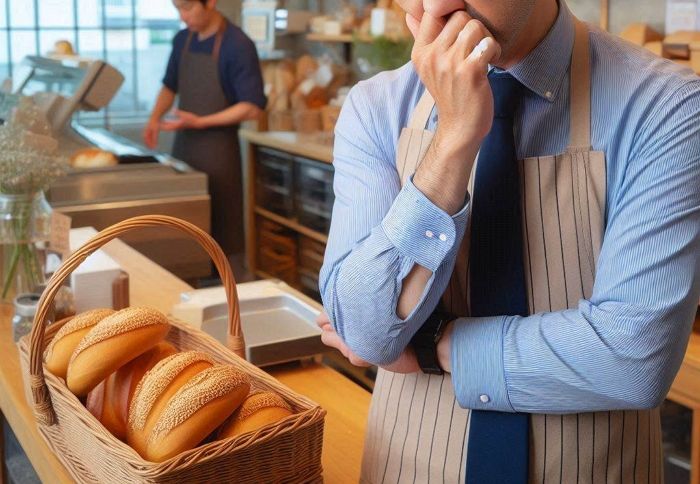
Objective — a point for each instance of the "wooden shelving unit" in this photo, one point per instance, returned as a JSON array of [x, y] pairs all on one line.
[[291, 224], [342, 38], [345, 40], [288, 143]]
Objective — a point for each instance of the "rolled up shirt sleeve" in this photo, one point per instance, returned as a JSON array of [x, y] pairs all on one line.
[[379, 232]]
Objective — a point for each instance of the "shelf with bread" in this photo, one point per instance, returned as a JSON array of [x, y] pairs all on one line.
[[682, 47], [337, 38]]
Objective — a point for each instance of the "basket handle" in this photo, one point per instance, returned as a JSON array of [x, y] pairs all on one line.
[[40, 393]]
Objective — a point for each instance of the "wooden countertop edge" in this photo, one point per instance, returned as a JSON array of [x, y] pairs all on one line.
[[273, 139], [17, 410]]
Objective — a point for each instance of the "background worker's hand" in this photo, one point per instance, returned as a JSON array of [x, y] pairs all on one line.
[[406, 363], [183, 120], [452, 57], [150, 134]]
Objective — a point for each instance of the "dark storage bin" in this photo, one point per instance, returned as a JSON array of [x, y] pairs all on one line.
[[274, 189], [314, 194], [311, 254], [308, 281], [277, 251]]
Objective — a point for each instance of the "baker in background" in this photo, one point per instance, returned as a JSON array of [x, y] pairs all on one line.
[[215, 72]]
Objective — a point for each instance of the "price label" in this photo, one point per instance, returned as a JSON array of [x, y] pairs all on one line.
[[60, 231]]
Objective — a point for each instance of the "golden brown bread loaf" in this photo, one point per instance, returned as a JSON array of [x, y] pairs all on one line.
[[93, 158], [112, 343], [109, 401], [258, 410], [155, 390], [196, 410], [67, 338]]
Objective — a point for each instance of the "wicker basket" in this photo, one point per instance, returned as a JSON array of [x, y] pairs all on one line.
[[288, 451]]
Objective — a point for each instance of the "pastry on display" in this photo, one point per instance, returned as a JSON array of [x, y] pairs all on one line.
[[93, 158], [258, 410], [113, 342], [67, 338]]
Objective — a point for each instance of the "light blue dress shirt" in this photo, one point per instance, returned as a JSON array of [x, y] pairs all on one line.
[[618, 350]]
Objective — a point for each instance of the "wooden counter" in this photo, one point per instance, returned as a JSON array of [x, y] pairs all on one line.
[[346, 403], [686, 391], [290, 142]]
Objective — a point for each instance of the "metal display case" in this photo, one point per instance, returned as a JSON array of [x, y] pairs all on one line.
[[144, 182]]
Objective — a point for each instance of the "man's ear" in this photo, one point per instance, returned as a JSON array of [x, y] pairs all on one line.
[[211, 4]]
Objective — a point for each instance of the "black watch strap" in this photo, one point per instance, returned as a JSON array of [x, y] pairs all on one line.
[[424, 342]]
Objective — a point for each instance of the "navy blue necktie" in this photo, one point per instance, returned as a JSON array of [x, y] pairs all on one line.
[[498, 442]]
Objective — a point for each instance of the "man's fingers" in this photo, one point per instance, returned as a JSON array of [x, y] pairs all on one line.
[[322, 319], [430, 28], [486, 52], [413, 24], [357, 361], [454, 26], [469, 37]]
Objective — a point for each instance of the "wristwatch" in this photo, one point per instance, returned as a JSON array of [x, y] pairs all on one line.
[[425, 342]]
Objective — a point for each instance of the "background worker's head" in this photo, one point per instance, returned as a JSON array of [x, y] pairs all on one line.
[[197, 14], [505, 19]]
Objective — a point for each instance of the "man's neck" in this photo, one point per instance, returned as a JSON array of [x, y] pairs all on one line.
[[541, 21], [212, 27]]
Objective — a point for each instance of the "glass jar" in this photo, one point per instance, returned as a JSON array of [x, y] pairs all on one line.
[[25, 222], [25, 309]]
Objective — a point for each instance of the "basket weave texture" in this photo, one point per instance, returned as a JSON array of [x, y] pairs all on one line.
[[288, 451]]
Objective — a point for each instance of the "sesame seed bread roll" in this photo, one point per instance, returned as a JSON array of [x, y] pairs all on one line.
[[67, 338], [258, 410], [109, 401], [112, 343], [155, 390], [196, 410]]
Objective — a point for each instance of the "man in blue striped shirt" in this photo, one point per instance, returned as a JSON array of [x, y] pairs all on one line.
[[383, 275]]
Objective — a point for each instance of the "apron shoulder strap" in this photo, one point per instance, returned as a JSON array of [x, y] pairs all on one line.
[[186, 49], [421, 113], [219, 39], [580, 86]]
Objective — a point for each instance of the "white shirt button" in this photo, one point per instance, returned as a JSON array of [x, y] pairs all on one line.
[[548, 94], [443, 237], [429, 234], [484, 399]]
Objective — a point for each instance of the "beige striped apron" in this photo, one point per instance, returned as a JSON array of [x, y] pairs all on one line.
[[416, 430]]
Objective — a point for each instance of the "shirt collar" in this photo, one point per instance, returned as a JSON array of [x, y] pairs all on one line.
[[542, 70]]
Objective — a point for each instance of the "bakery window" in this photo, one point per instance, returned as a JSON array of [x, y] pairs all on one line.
[[133, 35]]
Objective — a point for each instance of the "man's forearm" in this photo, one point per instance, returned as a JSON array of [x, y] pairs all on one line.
[[443, 177], [243, 111], [164, 102]]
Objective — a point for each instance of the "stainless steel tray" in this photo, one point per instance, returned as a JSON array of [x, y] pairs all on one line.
[[279, 322]]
